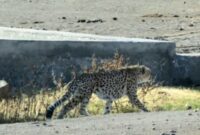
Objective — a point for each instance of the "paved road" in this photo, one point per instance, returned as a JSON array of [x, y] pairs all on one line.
[[154, 123]]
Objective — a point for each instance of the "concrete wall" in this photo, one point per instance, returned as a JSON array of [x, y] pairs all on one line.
[[186, 69], [29, 62]]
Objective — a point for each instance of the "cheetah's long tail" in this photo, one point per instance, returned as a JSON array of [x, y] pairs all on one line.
[[57, 103]]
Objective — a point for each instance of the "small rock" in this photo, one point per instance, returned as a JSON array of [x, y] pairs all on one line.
[[81, 21], [153, 128], [181, 29], [143, 20], [189, 114], [38, 22], [90, 21], [44, 124], [191, 24], [56, 132], [152, 28], [173, 131], [176, 16], [115, 18], [95, 21], [63, 18], [67, 127], [164, 134], [23, 22], [153, 15]]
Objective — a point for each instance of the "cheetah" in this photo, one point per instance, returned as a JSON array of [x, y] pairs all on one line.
[[107, 85]]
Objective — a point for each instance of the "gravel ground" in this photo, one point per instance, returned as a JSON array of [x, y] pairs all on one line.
[[174, 20], [154, 123]]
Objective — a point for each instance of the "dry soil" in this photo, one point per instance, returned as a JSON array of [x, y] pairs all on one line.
[[154, 123], [174, 20]]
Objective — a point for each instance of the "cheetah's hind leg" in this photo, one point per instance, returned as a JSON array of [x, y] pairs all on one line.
[[108, 106], [135, 101], [83, 108], [69, 106]]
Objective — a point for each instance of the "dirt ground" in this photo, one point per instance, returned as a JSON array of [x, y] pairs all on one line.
[[174, 20], [154, 123]]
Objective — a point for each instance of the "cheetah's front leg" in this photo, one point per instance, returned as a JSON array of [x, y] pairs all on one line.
[[135, 101], [132, 95], [108, 106]]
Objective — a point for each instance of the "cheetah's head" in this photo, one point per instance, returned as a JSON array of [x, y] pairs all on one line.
[[139, 73]]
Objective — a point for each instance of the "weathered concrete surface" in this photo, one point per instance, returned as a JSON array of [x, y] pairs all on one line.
[[187, 69], [154, 123], [34, 58], [41, 35]]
